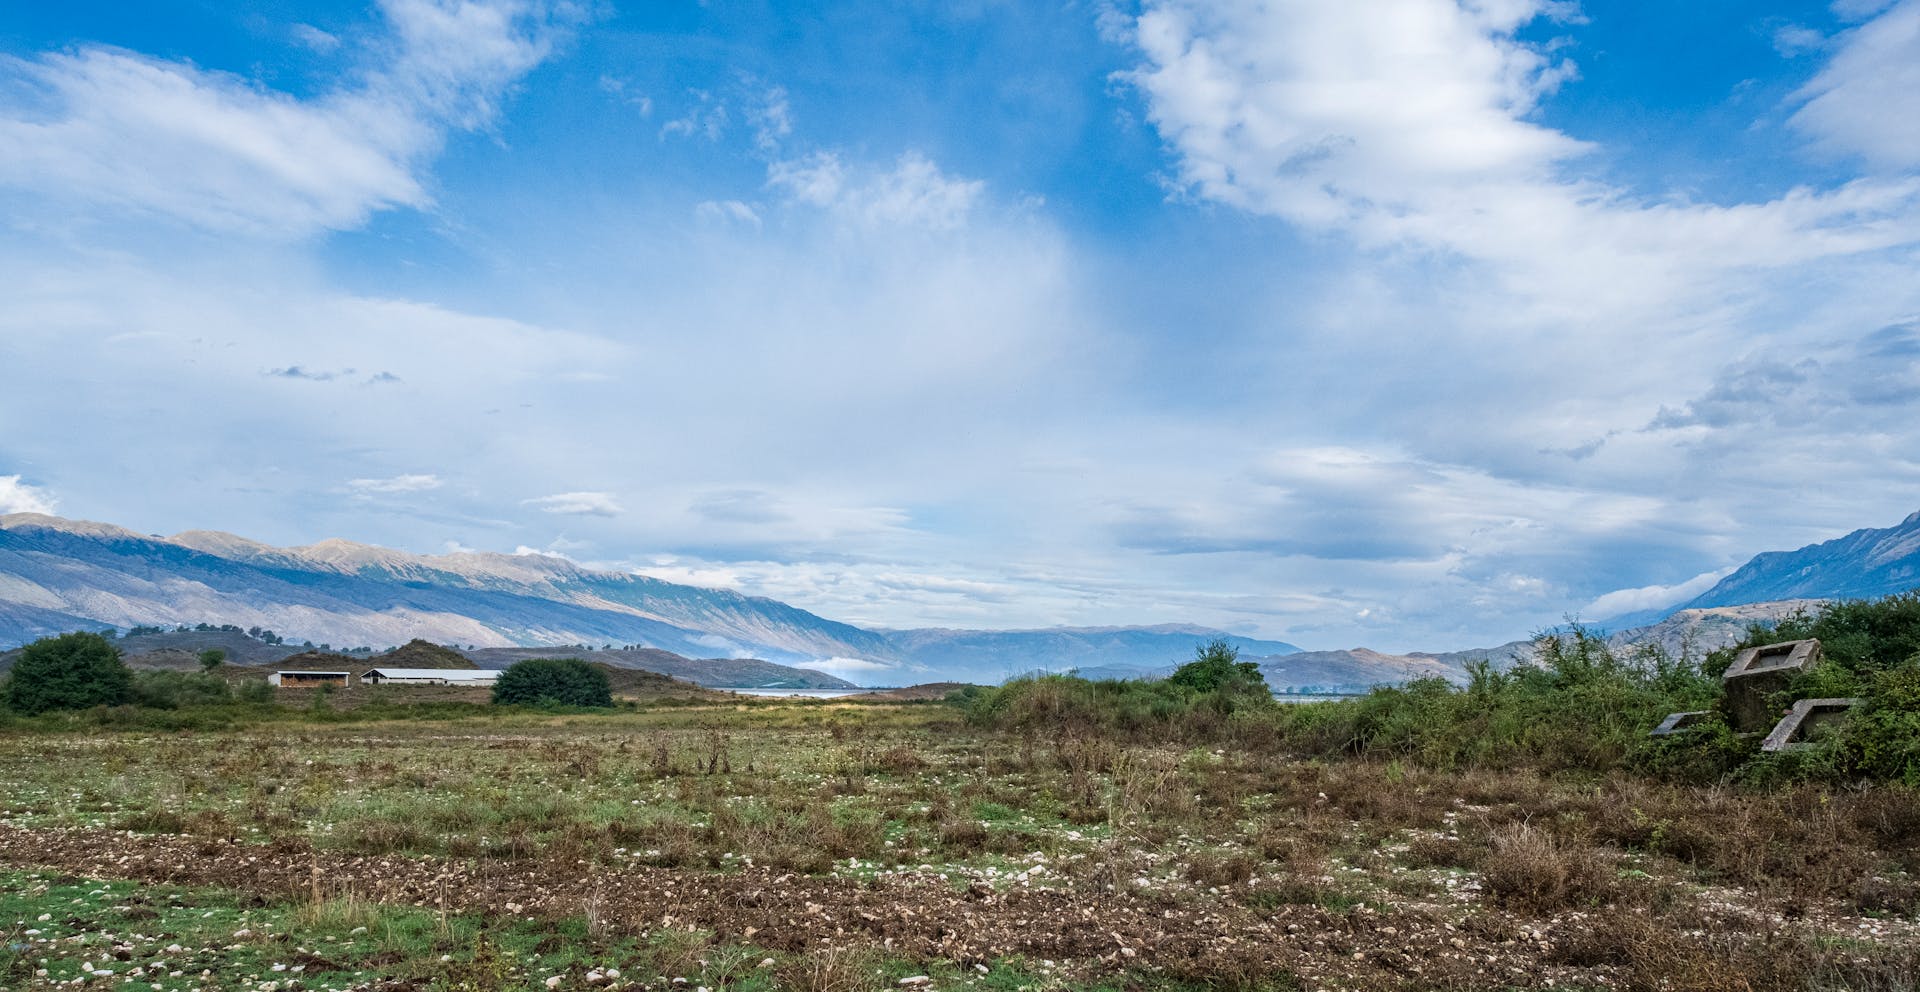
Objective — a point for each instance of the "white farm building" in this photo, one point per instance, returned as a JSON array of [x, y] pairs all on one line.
[[428, 676], [293, 680]]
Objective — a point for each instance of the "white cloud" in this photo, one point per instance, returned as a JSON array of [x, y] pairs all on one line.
[[1623, 601], [859, 671], [1321, 112], [1409, 122], [706, 118], [913, 193], [586, 504], [396, 484], [772, 118], [1864, 101], [727, 212], [19, 497], [1794, 40], [314, 38], [124, 130], [816, 180], [1859, 10]]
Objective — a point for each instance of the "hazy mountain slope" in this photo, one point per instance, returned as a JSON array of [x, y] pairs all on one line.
[[1861, 565], [993, 655], [722, 673], [23, 623], [58, 575], [727, 620], [1350, 670], [1699, 632], [117, 577]]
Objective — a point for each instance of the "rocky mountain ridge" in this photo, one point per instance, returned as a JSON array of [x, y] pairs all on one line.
[[58, 575]]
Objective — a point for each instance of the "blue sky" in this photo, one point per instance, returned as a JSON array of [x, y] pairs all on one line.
[[1419, 324]]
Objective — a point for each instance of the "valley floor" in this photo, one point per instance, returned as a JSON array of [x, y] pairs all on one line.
[[843, 847]]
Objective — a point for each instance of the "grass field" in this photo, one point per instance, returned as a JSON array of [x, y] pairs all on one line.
[[838, 847]]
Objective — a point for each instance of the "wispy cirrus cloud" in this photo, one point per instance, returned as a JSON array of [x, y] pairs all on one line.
[[1876, 68], [119, 130], [581, 504], [394, 485], [914, 192]]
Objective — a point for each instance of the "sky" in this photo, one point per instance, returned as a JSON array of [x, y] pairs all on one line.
[[1414, 324]]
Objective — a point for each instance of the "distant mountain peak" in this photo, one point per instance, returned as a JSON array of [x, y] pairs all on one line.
[[1867, 563], [218, 542], [80, 528]]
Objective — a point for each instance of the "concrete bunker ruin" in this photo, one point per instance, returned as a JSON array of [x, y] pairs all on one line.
[[1806, 716], [1756, 675], [1756, 678]]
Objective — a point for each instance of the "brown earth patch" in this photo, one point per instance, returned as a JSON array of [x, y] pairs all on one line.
[[925, 918]]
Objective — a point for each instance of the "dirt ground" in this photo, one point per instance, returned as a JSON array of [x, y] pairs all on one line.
[[915, 917]]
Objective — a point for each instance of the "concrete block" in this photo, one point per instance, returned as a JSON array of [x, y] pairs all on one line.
[[1756, 675], [1677, 722], [1793, 729]]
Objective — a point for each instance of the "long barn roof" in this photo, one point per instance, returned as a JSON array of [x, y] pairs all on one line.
[[450, 674]]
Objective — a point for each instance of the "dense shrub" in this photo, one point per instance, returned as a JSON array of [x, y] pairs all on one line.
[[553, 682], [68, 672], [1870, 650], [173, 690], [1861, 636], [1217, 668], [1214, 697], [1578, 706]]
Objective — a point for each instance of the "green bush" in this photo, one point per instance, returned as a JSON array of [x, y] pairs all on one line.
[[1861, 636], [1217, 668], [1883, 740], [553, 682], [1214, 697], [68, 672], [1579, 705], [173, 690], [1870, 649]]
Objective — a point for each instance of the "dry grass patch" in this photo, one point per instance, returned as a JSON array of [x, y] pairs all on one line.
[[1533, 870]]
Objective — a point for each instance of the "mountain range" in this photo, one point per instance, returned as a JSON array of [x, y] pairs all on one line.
[[1866, 564], [58, 575]]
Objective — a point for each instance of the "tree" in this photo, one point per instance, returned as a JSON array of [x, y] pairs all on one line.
[[68, 672], [1217, 668], [211, 658], [553, 681]]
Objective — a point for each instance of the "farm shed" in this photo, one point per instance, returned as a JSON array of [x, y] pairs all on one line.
[[428, 676], [295, 680]]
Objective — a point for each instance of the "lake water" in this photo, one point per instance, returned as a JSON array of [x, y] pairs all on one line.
[[839, 693], [801, 693]]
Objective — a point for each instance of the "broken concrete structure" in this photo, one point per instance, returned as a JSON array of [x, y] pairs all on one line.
[[1677, 722], [1794, 729], [1750, 690], [1757, 675]]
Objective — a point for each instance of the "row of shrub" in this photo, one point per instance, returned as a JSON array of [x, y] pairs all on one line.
[[1577, 705], [85, 672], [1214, 696]]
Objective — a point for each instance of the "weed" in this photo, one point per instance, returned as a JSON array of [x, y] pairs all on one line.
[[840, 968], [1534, 870]]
